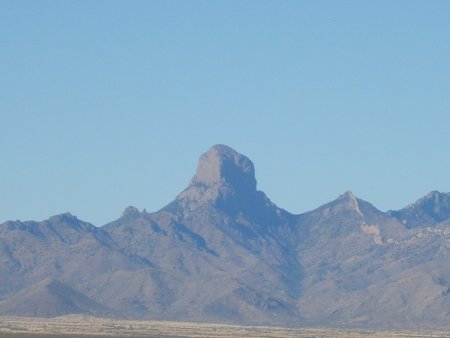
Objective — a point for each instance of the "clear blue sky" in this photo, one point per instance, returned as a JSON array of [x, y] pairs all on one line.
[[106, 104]]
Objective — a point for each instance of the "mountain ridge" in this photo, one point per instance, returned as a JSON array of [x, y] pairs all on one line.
[[223, 252]]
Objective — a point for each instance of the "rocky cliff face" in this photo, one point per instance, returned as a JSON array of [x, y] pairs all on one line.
[[226, 180], [223, 252]]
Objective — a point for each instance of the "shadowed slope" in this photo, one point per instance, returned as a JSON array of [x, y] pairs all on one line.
[[50, 298]]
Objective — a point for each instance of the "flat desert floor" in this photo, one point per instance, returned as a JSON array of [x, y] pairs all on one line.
[[80, 326]]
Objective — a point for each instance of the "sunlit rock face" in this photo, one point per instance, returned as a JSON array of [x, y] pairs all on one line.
[[224, 178], [222, 165]]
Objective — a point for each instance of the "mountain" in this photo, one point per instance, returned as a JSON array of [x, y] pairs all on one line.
[[66, 249], [365, 268], [222, 232], [223, 252], [427, 211]]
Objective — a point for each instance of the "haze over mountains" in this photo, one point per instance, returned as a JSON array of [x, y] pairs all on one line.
[[223, 252]]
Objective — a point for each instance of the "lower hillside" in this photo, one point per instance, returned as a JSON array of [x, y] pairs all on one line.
[[51, 298]]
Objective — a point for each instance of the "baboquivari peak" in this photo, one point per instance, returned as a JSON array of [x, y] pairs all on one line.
[[221, 164], [224, 177]]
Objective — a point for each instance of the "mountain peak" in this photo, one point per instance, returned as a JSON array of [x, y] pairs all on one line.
[[224, 177], [350, 200], [435, 195], [347, 195], [433, 201], [130, 212], [221, 164], [431, 209], [66, 217]]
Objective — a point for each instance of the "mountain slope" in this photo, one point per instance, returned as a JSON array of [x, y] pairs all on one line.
[[50, 298], [69, 250], [35, 250], [367, 269]]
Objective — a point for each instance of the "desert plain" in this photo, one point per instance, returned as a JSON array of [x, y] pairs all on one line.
[[84, 326]]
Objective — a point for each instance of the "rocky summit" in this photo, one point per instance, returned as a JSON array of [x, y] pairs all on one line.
[[223, 252], [224, 178]]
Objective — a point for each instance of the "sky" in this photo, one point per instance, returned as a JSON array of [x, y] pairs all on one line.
[[105, 104]]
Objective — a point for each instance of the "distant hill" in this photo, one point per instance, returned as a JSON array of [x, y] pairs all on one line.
[[223, 252], [51, 298]]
